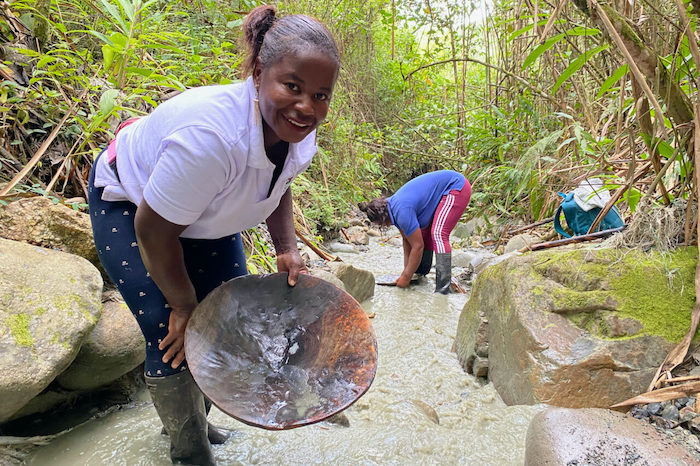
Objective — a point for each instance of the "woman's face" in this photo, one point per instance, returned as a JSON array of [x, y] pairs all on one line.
[[294, 95]]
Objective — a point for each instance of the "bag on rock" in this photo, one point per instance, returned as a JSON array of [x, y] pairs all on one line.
[[582, 205]]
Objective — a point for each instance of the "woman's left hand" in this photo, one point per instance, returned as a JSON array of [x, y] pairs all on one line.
[[403, 282], [293, 263]]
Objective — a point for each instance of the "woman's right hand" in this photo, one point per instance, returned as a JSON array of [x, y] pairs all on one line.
[[174, 341]]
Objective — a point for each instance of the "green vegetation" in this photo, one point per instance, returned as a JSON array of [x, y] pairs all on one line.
[[19, 327], [525, 101]]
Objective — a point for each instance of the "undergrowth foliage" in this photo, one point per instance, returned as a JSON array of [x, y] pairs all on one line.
[[525, 106]]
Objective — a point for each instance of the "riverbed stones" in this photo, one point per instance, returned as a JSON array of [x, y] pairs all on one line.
[[50, 301], [578, 327], [114, 347], [518, 242], [591, 436]]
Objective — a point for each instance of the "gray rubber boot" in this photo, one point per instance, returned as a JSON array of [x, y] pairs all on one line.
[[180, 406], [216, 435], [443, 272], [425, 263]]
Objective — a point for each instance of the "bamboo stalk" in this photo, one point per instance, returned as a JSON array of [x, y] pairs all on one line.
[[630, 60]]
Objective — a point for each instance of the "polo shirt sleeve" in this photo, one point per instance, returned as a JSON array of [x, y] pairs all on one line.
[[406, 220], [192, 169]]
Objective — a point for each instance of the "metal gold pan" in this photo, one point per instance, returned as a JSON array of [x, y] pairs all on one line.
[[279, 357]]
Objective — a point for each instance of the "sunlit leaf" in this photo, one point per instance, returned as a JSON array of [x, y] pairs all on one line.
[[612, 79], [108, 101], [576, 65]]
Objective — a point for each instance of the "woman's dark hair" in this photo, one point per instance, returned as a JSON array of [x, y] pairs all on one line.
[[377, 211], [270, 38]]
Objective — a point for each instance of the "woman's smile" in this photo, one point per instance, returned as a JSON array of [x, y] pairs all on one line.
[[294, 95]]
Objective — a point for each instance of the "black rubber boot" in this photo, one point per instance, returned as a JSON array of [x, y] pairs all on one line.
[[443, 272], [180, 406], [425, 263], [216, 435]]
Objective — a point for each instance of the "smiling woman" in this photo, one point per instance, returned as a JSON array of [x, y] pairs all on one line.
[[174, 190]]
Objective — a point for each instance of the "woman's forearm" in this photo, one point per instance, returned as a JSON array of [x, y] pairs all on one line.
[[280, 224], [161, 251]]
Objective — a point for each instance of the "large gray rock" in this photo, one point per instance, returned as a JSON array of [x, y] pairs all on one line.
[[49, 303], [560, 436], [37, 220], [114, 347], [358, 283], [577, 328]]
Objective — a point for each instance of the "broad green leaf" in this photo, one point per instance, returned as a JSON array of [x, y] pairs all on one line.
[[102, 37], [576, 65], [612, 79], [107, 56], [540, 49], [633, 196], [582, 31], [128, 8], [119, 41], [549, 43], [115, 14], [530, 27], [108, 101], [145, 72], [44, 60]]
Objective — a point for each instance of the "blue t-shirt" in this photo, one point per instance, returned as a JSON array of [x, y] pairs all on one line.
[[414, 204]]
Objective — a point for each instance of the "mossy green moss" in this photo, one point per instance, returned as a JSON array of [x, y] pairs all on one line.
[[658, 290], [71, 304], [19, 327]]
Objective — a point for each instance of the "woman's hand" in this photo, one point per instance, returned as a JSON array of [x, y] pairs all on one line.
[[293, 263], [403, 282], [174, 341]]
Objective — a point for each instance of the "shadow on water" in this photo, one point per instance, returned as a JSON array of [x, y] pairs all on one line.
[[421, 409]]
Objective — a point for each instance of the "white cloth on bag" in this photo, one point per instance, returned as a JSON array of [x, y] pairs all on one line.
[[590, 193], [199, 159]]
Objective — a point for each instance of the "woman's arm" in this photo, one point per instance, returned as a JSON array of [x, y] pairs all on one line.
[[406, 249], [415, 242], [280, 224], [161, 251]]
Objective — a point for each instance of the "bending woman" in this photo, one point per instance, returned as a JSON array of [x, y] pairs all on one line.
[[172, 193], [425, 210]]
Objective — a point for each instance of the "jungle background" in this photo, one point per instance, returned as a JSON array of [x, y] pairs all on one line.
[[527, 100]]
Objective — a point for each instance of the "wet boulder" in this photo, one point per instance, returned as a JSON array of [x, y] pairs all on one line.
[[114, 347], [577, 327], [559, 436], [50, 301], [327, 276], [358, 283]]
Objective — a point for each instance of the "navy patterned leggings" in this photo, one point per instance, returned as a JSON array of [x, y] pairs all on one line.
[[209, 263]]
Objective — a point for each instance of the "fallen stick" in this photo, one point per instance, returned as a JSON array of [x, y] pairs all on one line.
[[314, 248], [572, 240]]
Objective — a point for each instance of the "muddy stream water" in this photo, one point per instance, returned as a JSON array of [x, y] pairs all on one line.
[[422, 408]]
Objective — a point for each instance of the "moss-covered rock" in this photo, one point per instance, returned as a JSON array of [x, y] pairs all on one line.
[[578, 328], [50, 302]]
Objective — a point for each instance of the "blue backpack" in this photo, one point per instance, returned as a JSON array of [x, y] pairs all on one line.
[[579, 220]]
